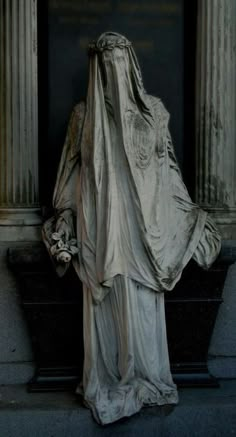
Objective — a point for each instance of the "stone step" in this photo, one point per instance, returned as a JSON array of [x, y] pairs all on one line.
[[209, 412]]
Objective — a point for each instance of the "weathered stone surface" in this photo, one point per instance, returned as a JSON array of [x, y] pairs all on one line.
[[216, 112], [222, 367], [18, 372], [222, 352], [224, 339], [201, 413], [15, 345], [11, 233], [19, 202]]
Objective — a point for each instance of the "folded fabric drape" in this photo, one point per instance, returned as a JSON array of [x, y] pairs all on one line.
[[119, 190]]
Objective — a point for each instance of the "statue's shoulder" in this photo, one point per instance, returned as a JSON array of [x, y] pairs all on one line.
[[159, 108]]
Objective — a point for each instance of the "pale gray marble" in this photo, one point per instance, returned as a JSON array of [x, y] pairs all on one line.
[[120, 198]]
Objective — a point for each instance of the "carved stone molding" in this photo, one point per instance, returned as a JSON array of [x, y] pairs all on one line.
[[19, 203], [216, 112]]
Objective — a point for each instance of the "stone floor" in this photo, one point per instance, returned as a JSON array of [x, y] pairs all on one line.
[[200, 413]]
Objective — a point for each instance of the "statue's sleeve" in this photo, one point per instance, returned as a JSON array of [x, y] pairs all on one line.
[[209, 244], [178, 186], [58, 232], [64, 196]]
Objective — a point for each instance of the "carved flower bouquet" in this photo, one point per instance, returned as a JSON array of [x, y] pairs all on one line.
[[63, 250]]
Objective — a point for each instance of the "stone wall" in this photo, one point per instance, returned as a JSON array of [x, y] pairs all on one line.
[[16, 358], [222, 351]]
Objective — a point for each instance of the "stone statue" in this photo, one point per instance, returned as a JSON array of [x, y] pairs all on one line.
[[124, 218]]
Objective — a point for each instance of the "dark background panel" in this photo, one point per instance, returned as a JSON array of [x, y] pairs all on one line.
[[157, 29]]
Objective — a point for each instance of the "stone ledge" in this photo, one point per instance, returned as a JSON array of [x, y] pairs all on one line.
[[222, 367], [26, 233], [200, 413]]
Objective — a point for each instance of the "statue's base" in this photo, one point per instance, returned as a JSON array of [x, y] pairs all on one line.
[[54, 310], [66, 379], [201, 412], [54, 379], [193, 375]]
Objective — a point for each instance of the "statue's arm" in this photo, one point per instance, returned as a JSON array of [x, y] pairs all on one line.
[[58, 232], [178, 186], [164, 141], [167, 150], [64, 196]]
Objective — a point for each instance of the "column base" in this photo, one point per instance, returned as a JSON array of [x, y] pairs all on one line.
[[225, 220], [20, 224]]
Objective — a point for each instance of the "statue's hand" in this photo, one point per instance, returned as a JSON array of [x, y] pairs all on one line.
[[62, 248], [65, 225], [64, 229]]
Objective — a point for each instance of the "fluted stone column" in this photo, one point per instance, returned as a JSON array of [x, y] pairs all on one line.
[[19, 203], [216, 112]]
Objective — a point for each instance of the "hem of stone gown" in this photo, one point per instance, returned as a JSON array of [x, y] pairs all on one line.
[[141, 399], [126, 360]]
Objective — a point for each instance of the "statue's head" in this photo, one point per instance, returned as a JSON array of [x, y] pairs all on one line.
[[115, 91], [117, 62], [109, 41]]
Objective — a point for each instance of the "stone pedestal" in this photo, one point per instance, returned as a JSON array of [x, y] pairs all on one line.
[[19, 203], [216, 112]]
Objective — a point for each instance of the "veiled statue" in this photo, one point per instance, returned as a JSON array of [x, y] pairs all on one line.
[[125, 220]]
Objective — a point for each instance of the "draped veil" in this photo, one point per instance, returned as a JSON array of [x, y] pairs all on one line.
[[136, 226]]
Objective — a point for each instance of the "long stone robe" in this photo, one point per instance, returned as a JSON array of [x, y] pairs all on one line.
[[136, 249]]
